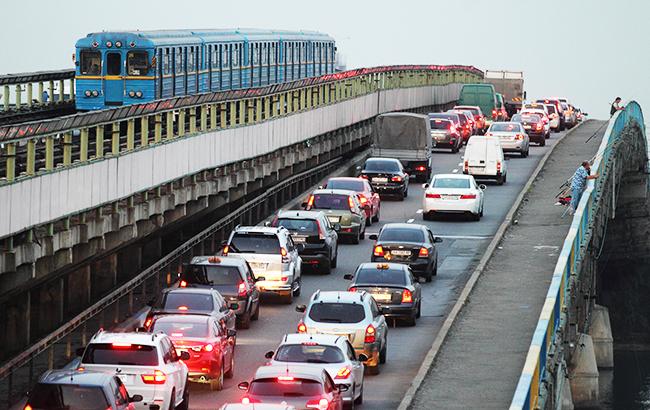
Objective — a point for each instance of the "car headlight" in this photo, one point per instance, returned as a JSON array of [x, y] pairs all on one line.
[[138, 94], [131, 93], [87, 93], [95, 93]]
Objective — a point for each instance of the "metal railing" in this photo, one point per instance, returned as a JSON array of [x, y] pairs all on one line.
[[550, 329], [31, 149]]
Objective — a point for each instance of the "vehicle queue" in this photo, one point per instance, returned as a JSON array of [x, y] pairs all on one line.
[[190, 332]]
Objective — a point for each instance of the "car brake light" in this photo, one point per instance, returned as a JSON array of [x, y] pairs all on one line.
[[157, 377], [352, 289], [322, 404], [432, 196], [121, 345], [370, 334], [27, 407], [285, 255], [363, 199], [452, 129], [302, 328], [498, 166], [379, 251], [226, 249], [183, 308], [147, 323], [407, 296], [396, 178], [424, 253], [241, 290], [176, 334], [519, 136], [364, 176], [285, 378], [351, 203], [321, 235], [420, 168], [248, 400], [183, 284], [539, 126], [466, 165], [468, 196], [208, 347], [343, 373]]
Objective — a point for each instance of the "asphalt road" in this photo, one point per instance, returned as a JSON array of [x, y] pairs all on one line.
[[463, 244]]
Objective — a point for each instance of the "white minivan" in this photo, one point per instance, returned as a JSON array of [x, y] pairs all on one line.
[[484, 159]]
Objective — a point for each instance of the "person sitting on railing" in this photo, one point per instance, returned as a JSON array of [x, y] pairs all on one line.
[[578, 183], [616, 106]]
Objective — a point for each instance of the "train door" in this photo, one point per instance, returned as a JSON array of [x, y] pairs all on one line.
[[160, 72], [114, 79]]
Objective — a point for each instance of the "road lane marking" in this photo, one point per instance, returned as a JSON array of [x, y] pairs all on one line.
[[474, 237], [454, 170], [419, 211], [410, 221], [460, 164]]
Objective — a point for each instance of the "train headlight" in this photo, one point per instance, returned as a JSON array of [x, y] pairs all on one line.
[[138, 94], [118, 44], [95, 93], [87, 93], [109, 44], [131, 93]]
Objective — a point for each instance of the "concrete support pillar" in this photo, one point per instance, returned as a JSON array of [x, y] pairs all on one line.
[[600, 331], [566, 398], [583, 373]]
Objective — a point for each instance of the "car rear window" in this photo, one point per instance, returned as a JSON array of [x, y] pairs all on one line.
[[309, 353], [516, 118], [299, 225], [401, 235], [292, 387], [186, 301], [68, 397], [379, 165], [551, 109], [505, 127], [352, 185], [122, 354], [330, 201], [381, 277], [474, 111], [462, 118], [212, 275], [530, 118], [451, 183], [181, 329], [337, 312], [252, 243], [438, 124]]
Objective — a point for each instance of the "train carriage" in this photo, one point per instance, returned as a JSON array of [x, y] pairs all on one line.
[[122, 68]]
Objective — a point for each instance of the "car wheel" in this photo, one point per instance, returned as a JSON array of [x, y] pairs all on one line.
[[288, 299], [216, 384], [327, 269], [406, 192], [411, 321], [171, 400], [523, 154], [428, 216], [382, 352], [500, 180], [245, 321], [256, 315], [355, 239], [476, 217], [185, 405], [481, 213], [376, 217], [454, 149], [435, 269], [298, 289], [359, 400], [542, 143], [336, 257], [369, 221], [418, 314], [374, 370], [231, 372]]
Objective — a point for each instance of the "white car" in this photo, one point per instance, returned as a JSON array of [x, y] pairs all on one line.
[[272, 256], [512, 135], [154, 370], [332, 353], [553, 117], [453, 194], [543, 115]]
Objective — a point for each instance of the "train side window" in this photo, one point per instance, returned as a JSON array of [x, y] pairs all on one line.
[[137, 63], [91, 62], [179, 60], [225, 56], [113, 63], [235, 56], [190, 60], [167, 62]]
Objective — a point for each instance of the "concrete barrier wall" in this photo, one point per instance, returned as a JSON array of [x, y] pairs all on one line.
[[68, 191]]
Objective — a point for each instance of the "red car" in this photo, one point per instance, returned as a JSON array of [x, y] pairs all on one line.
[[364, 192], [209, 343]]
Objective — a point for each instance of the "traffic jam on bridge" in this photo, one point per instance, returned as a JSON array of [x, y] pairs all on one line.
[[318, 306]]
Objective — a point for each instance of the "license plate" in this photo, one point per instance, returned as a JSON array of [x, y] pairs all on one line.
[[380, 180], [382, 297], [299, 239], [451, 197], [527, 127], [127, 379], [258, 265], [334, 219], [400, 253]]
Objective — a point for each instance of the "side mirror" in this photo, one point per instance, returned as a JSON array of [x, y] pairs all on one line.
[[304, 204], [80, 351], [585, 114], [337, 227], [269, 354], [348, 276], [184, 355], [136, 397], [437, 240], [243, 386], [322, 186], [300, 247], [267, 223], [343, 387], [482, 187], [362, 357], [231, 333], [301, 308], [373, 236], [260, 279], [234, 306], [425, 186], [358, 168]]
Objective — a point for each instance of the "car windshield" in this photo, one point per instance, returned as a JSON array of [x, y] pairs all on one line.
[[309, 353], [255, 243], [451, 183], [67, 397], [125, 354], [212, 275], [299, 225], [381, 276], [505, 127], [350, 184], [381, 165], [401, 235], [330, 201], [175, 328], [185, 301], [438, 124], [551, 109], [337, 312], [285, 387]]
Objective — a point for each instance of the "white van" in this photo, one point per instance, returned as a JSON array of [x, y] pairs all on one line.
[[484, 159]]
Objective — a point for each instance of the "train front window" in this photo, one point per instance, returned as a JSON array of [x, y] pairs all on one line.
[[113, 64], [137, 63], [91, 62]]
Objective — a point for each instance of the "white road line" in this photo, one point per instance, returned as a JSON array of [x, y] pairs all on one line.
[[460, 164], [419, 211], [454, 170], [480, 238], [410, 221]]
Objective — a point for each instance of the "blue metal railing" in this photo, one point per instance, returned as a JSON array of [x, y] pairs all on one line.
[[528, 395]]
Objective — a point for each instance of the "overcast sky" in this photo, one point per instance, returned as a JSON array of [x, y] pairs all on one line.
[[588, 51]]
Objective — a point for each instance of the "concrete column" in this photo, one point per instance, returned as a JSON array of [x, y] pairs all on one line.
[[583, 373], [600, 331]]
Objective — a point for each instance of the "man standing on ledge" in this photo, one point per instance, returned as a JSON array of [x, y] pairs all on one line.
[[578, 183]]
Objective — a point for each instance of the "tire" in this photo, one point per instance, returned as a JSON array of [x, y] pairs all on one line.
[[336, 257], [369, 221], [362, 235], [481, 213], [359, 400], [455, 149], [230, 373], [355, 240], [288, 299], [476, 217], [406, 192], [427, 216], [376, 217], [500, 180], [185, 405], [418, 314], [435, 269], [542, 143], [298, 289], [256, 315], [245, 321], [171, 400], [374, 370], [411, 321], [217, 383], [382, 352]]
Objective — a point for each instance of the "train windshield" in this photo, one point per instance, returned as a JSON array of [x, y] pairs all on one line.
[[90, 63], [136, 63]]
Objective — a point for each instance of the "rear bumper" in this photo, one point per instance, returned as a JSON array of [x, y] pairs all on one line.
[[276, 286], [512, 146], [419, 266], [372, 351], [399, 311], [389, 189], [316, 260], [457, 206]]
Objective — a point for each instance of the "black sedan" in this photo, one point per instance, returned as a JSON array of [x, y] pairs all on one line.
[[392, 285], [386, 176], [410, 244]]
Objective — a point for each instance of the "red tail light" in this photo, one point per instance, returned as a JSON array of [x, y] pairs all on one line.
[[121, 345], [364, 176], [420, 168], [157, 377], [321, 234], [379, 251], [466, 166], [183, 284], [310, 202], [302, 328], [468, 196], [285, 255], [351, 203], [498, 166], [226, 249], [248, 400], [407, 296], [27, 407], [424, 253], [452, 129], [241, 290], [343, 373], [370, 334], [363, 199], [147, 323], [519, 136], [432, 196], [539, 126], [396, 178], [320, 404], [352, 289]]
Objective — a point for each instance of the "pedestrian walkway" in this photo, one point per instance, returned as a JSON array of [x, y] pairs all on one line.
[[481, 360]]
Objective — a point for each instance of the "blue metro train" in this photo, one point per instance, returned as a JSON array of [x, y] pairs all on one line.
[[122, 68]]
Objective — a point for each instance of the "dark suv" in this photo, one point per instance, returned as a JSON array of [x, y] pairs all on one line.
[[232, 277]]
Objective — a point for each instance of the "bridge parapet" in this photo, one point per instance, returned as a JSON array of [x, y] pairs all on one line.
[[569, 305]]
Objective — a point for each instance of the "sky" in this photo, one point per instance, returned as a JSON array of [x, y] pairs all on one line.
[[587, 51]]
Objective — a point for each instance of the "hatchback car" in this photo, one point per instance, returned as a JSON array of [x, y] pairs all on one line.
[[80, 389], [341, 207], [232, 277], [316, 234], [298, 386], [453, 194], [445, 135], [533, 125], [355, 316], [512, 135], [332, 353], [206, 340], [367, 196], [393, 286], [272, 255], [386, 176], [411, 244], [147, 364], [479, 118]]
